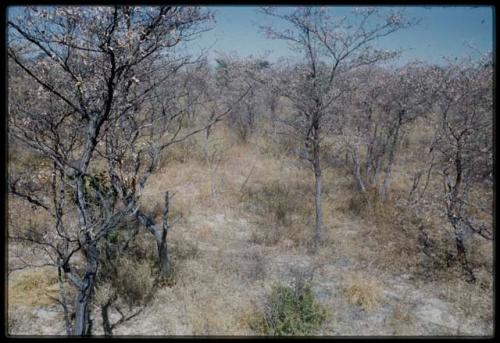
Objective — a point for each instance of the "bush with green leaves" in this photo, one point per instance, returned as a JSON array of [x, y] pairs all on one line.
[[290, 311]]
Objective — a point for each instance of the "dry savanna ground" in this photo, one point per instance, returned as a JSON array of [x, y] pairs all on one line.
[[246, 227]]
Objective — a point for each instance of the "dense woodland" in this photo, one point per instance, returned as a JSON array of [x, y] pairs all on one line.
[[122, 146]]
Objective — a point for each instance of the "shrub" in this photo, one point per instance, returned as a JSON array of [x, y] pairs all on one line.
[[274, 199], [369, 206], [280, 201], [363, 292], [243, 131], [290, 311], [134, 280]]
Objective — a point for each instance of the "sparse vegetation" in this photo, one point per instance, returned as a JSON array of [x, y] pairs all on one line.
[[290, 310], [134, 280], [33, 287], [156, 192], [363, 292], [282, 212]]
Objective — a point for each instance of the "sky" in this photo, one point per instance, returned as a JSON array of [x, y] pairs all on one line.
[[442, 31]]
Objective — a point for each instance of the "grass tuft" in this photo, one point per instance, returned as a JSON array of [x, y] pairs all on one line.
[[363, 292]]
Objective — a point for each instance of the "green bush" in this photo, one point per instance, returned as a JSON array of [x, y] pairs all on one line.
[[290, 311]]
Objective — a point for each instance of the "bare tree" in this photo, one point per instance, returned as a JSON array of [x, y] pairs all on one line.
[[465, 150], [330, 46], [234, 74], [384, 105], [92, 107]]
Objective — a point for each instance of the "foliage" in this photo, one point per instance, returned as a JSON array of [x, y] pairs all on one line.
[[290, 311]]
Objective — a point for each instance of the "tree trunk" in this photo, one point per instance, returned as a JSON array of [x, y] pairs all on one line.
[[82, 312], [372, 159], [164, 263], [273, 120], [315, 131], [357, 170], [82, 308], [377, 167], [454, 215], [106, 325], [62, 296], [160, 235], [317, 227], [462, 256], [388, 170], [163, 260]]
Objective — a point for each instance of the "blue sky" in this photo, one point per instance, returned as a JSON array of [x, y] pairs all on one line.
[[443, 31]]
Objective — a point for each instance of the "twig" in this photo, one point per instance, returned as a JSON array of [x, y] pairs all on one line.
[[246, 180]]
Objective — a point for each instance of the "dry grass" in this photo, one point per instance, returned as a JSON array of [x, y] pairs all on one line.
[[283, 211], [18, 317], [22, 216], [363, 291], [471, 300], [251, 266], [264, 196], [206, 299], [402, 320], [184, 250], [134, 280], [33, 287]]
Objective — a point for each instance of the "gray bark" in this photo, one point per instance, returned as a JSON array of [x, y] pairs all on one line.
[[164, 262], [461, 252], [392, 154], [317, 227], [62, 296], [454, 214], [357, 170], [106, 325], [160, 235], [82, 308]]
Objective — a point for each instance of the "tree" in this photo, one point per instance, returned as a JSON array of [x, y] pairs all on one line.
[[90, 103], [234, 74], [330, 46], [385, 103], [465, 150]]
